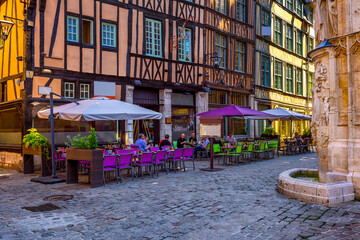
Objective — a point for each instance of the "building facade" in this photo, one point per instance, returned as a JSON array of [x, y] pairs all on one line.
[[152, 53], [230, 33], [284, 73]]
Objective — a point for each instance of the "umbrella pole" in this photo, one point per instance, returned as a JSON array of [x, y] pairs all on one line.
[[52, 135], [211, 169]]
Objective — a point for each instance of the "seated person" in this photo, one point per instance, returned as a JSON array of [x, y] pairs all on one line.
[[181, 141], [201, 147], [192, 139], [165, 142], [141, 143], [230, 138]]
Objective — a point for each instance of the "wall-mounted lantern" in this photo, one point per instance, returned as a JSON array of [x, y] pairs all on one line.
[[5, 28]]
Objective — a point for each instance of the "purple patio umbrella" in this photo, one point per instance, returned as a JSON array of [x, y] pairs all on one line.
[[233, 110], [227, 111]]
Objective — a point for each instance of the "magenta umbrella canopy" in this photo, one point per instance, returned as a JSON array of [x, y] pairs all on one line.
[[233, 110]]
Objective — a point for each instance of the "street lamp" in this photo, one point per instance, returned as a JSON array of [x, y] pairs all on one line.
[[5, 27], [215, 59]]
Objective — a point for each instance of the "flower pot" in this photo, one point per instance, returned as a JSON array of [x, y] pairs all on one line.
[[73, 156], [31, 151]]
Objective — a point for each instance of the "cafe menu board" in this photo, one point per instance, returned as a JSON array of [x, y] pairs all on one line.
[[210, 130]]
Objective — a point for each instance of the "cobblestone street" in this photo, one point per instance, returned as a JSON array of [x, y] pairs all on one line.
[[240, 202]]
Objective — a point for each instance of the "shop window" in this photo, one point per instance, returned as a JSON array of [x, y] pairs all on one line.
[[241, 10], [84, 91], [72, 29], [220, 6], [240, 99], [218, 97], [184, 48], [10, 126], [289, 37], [108, 35], [299, 82], [278, 29], [239, 126], [265, 71], [220, 48], [289, 79], [69, 90], [239, 56], [153, 43], [87, 28], [278, 74]]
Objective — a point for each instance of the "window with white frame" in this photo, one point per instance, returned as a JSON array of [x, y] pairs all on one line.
[[220, 6], [278, 74], [220, 48], [108, 35], [289, 4], [153, 44], [241, 10], [69, 90], [299, 81], [289, 78], [84, 91], [299, 42], [184, 45], [72, 29], [239, 56], [278, 29], [289, 37], [299, 6]]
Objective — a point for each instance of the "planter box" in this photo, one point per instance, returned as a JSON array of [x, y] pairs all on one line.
[[73, 156], [31, 151], [28, 159]]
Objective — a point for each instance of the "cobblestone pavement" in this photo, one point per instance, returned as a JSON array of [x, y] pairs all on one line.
[[240, 202]]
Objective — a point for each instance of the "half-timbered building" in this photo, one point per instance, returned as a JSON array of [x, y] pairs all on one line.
[[154, 53], [230, 33]]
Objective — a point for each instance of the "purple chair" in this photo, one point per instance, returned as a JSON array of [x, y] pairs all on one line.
[[106, 153], [125, 162], [160, 159], [188, 155], [165, 147], [110, 165], [118, 151], [60, 159], [146, 160], [176, 157], [133, 146], [154, 149]]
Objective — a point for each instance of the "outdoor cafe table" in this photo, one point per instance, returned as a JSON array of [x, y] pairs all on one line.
[[227, 149]]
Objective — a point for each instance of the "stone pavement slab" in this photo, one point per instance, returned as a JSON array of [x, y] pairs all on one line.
[[240, 202]]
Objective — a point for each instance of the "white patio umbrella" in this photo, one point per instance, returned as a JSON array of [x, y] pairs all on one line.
[[100, 108], [95, 109], [281, 114]]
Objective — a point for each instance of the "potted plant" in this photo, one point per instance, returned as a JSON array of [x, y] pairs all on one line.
[[35, 143], [269, 133], [307, 133], [84, 149]]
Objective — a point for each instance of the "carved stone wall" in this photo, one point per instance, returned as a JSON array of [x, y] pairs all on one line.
[[335, 116]]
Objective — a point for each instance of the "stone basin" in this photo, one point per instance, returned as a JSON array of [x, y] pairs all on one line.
[[327, 194]]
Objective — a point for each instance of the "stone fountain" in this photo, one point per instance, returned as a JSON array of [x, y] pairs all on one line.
[[336, 94]]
